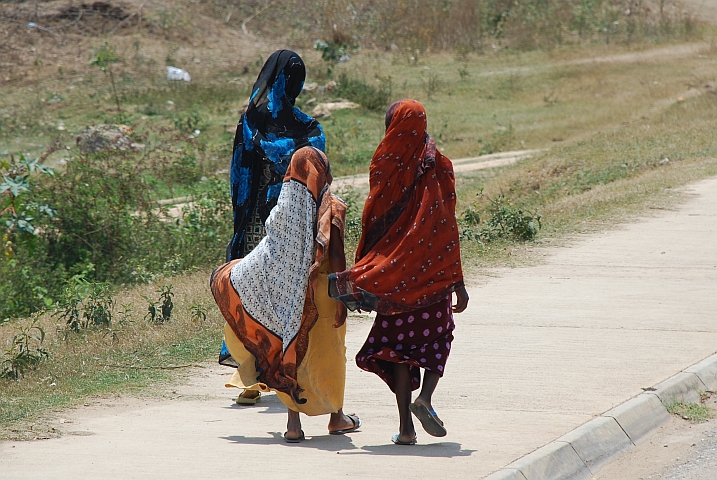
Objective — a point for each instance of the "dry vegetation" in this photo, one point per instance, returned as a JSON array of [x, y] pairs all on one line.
[[622, 123]]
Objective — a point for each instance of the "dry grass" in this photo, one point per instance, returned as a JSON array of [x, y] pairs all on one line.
[[124, 359]]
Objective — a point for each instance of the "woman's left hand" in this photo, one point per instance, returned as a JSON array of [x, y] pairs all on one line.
[[462, 300]]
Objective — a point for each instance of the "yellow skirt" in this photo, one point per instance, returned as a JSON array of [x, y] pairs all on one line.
[[322, 373]]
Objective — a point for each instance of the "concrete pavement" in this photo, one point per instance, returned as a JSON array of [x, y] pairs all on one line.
[[541, 351]]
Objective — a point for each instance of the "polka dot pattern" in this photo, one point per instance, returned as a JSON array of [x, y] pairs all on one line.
[[431, 331]]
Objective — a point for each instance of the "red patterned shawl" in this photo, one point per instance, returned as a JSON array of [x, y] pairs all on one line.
[[408, 256]]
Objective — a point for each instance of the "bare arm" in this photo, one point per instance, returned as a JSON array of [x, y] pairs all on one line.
[[337, 259]]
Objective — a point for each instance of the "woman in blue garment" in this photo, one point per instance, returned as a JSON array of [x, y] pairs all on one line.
[[266, 137]]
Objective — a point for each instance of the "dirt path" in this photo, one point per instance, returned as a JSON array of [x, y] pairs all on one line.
[[540, 351], [460, 165]]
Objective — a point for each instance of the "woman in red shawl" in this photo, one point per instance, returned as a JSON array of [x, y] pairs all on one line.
[[408, 264]]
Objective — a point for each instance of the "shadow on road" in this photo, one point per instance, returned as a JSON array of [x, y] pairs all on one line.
[[344, 444], [329, 443], [268, 404], [440, 449]]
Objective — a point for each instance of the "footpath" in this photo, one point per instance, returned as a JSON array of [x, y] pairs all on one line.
[[541, 351]]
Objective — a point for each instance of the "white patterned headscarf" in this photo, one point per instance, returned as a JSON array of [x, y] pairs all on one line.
[[272, 280]]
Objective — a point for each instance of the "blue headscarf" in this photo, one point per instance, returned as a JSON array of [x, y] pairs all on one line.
[[267, 135]]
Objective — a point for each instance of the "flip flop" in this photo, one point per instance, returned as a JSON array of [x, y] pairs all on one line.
[[294, 440], [429, 420], [357, 424], [395, 440], [247, 401]]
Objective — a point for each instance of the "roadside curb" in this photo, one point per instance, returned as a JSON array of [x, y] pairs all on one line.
[[579, 454]]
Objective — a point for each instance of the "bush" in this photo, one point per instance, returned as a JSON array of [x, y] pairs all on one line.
[[97, 219], [25, 352], [364, 94], [506, 222]]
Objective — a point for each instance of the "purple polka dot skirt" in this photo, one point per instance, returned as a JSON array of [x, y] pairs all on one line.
[[421, 338]]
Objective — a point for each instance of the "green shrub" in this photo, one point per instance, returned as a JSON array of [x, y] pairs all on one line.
[[505, 222], [25, 352], [163, 313], [373, 98], [97, 218]]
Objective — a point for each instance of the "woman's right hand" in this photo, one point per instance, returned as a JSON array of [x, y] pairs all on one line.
[[462, 299]]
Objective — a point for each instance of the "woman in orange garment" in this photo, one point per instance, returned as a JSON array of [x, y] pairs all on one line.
[[408, 265], [281, 327]]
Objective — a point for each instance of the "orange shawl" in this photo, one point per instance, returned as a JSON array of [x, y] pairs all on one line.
[[261, 320], [408, 256]]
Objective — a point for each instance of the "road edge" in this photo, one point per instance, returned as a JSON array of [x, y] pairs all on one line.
[[579, 454]]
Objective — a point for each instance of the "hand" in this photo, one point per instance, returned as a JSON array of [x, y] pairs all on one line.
[[340, 314], [462, 300]]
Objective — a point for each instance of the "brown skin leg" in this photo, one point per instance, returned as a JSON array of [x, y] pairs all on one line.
[[293, 425], [402, 385], [337, 260], [430, 381]]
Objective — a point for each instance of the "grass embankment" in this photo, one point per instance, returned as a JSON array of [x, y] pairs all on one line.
[[606, 128], [125, 357]]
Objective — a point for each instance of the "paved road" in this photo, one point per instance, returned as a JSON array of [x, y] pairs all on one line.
[[540, 351]]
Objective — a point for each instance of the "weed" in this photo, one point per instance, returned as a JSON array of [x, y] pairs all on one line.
[[125, 314], [692, 412], [332, 51], [103, 59], [98, 305], [25, 352], [85, 304], [364, 94], [505, 222], [190, 121], [550, 99], [165, 296], [198, 312], [498, 141], [160, 311], [431, 84], [152, 314]]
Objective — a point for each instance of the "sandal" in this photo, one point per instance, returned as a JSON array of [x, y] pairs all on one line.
[[357, 424], [395, 440], [429, 419], [242, 400], [294, 440]]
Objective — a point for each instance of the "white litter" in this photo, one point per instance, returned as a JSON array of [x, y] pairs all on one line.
[[178, 74]]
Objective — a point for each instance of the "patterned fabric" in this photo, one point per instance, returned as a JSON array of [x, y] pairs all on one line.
[[408, 256], [253, 233], [267, 298], [420, 338], [266, 137], [272, 281]]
